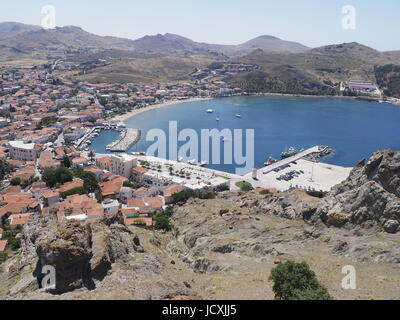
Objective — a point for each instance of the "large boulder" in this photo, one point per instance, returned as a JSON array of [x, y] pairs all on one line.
[[82, 253], [369, 197]]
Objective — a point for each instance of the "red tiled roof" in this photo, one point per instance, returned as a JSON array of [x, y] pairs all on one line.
[[3, 244]]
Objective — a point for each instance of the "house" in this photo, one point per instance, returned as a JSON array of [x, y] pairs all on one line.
[[25, 174], [3, 245], [18, 203], [122, 165], [146, 192], [76, 183], [104, 163], [46, 160], [170, 191], [146, 205], [138, 174], [79, 162], [19, 219], [19, 150], [110, 206], [50, 197], [112, 187]]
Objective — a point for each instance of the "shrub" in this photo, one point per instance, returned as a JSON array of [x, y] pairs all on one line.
[[78, 190], [223, 188], [244, 186], [3, 256], [162, 221], [295, 281], [183, 196], [15, 181], [317, 194], [207, 195]]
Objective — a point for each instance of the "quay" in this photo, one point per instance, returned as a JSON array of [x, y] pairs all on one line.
[[129, 138], [301, 171]]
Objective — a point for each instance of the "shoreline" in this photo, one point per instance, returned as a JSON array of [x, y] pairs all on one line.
[[133, 113]]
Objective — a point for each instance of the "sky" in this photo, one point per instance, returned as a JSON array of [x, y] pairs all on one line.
[[311, 22]]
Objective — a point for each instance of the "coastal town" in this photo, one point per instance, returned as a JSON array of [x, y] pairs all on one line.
[[46, 126], [48, 121]]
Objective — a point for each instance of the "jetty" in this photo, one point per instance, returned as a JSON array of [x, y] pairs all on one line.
[[129, 137]]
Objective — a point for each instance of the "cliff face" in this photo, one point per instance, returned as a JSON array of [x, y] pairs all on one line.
[[369, 197], [101, 259]]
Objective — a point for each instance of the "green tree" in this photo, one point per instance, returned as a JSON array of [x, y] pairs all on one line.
[[66, 162], [296, 281], [15, 181], [162, 220], [54, 176]]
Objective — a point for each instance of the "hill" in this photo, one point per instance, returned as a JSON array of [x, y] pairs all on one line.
[[61, 40], [172, 43], [149, 69], [10, 29], [388, 79], [317, 71]]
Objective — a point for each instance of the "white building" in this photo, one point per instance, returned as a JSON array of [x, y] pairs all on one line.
[[122, 165], [110, 206], [3, 122], [19, 150]]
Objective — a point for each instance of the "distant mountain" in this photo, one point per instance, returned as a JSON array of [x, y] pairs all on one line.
[[61, 39], [172, 43], [17, 38], [317, 71], [10, 29]]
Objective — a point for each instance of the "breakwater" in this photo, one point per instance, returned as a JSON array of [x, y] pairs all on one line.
[[129, 137]]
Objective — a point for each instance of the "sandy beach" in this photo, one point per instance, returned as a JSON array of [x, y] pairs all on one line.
[[127, 116]]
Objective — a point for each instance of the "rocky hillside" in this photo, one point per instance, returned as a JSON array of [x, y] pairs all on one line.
[[370, 197], [99, 260], [317, 71], [225, 248]]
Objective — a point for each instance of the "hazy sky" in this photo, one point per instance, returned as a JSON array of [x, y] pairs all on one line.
[[311, 22]]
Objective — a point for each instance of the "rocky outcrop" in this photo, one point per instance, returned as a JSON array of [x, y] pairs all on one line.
[[82, 253], [370, 197]]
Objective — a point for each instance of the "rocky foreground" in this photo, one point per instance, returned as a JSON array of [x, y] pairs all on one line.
[[225, 248]]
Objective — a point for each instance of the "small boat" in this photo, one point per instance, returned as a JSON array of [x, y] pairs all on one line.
[[192, 162], [217, 119], [238, 115], [210, 111], [180, 159], [292, 151], [203, 163]]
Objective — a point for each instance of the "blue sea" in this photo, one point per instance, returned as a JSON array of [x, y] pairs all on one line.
[[353, 128]]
